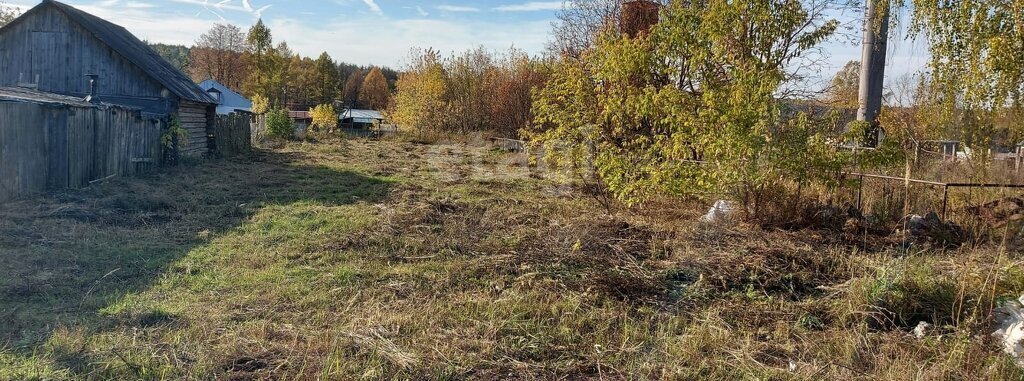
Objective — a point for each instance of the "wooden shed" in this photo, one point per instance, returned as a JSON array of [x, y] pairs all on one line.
[[50, 141], [59, 49]]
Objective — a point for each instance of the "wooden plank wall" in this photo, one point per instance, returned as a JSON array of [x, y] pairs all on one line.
[[21, 159], [232, 135], [45, 147], [61, 53], [194, 118]]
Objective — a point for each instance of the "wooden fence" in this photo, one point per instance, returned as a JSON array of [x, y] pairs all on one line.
[[258, 128], [47, 146], [232, 135]]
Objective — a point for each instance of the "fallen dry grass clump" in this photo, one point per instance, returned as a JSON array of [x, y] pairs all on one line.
[[362, 259]]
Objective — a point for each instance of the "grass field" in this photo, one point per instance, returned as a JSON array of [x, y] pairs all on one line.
[[392, 260]]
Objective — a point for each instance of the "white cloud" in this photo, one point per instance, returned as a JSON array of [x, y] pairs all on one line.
[[347, 39], [457, 8], [359, 40], [374, 7], [532, 6]]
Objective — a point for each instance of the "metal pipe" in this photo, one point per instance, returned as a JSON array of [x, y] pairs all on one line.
[[91, 98], [883, 177]]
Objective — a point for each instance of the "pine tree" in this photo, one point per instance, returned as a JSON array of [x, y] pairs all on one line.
[[326, 79], [261, 45]]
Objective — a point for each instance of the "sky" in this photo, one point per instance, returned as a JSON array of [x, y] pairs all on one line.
[[382, 32]]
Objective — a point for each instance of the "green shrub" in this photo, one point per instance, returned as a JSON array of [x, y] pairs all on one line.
[[279, 125], [692, 109]]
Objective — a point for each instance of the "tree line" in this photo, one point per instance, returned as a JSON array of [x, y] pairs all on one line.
[[478, 90], [274, 75]]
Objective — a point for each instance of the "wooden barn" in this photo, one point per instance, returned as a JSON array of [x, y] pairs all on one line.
[[59, 49]]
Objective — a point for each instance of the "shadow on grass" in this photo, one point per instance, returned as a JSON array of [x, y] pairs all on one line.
[[66, 256]]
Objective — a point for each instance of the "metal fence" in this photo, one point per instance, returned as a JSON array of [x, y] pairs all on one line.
[[45, 147]]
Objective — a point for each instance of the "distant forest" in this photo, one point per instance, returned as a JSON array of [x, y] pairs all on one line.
[[178, 55]]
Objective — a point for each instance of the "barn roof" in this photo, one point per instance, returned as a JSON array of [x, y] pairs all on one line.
[[21, 94], [362, 114], [134, 50]]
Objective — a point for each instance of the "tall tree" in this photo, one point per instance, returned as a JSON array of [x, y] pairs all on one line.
[[977, 69], [845, 88], [350, 92], [419, 103], [375, 93], [260, 58], [326, 79], [467, 89], [580, 22], [298, 85], [7, 14], [510, 86], [279, 68], [177, 55], [218, 54]]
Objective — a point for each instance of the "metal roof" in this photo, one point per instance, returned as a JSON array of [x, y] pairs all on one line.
[[362, 114], [21, 94], [134, 50], [230, 100]]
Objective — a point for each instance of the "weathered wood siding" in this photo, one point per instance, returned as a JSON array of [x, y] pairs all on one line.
[[45, 147], [197, 119], [61, 53], [232, 136]]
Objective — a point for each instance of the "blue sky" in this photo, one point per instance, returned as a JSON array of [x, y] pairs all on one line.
[[382, 32], [379, 32]]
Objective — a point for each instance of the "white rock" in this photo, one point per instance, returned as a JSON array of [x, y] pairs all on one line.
[[922, 330], [1010, 321]]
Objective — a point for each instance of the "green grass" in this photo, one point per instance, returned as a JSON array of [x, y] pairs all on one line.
[[390, 260]]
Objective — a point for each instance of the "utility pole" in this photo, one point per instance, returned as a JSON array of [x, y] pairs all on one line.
[[872, 68]]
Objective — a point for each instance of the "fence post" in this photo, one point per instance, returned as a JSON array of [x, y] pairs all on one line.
[[945, 200], [860, 196]]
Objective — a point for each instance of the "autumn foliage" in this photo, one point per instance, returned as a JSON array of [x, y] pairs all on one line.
[[374, 92], [475, 91]]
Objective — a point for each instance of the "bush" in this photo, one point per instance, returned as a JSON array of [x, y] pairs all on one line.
[[325, 120], [279, 125], [690, 110]]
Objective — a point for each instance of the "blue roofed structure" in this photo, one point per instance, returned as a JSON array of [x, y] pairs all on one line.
[[228, 101]]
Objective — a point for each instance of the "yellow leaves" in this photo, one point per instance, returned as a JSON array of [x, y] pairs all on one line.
[[976, 52], [260, 104], [324, 117], [700, 88]]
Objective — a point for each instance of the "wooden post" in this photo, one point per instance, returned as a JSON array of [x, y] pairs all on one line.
[[945, 200], [860, 196]]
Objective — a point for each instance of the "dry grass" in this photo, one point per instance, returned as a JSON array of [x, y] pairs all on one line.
[[394, 260]]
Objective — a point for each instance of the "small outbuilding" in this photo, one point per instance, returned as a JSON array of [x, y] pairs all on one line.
[[354, 118], [228, 101], [58, 49]]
